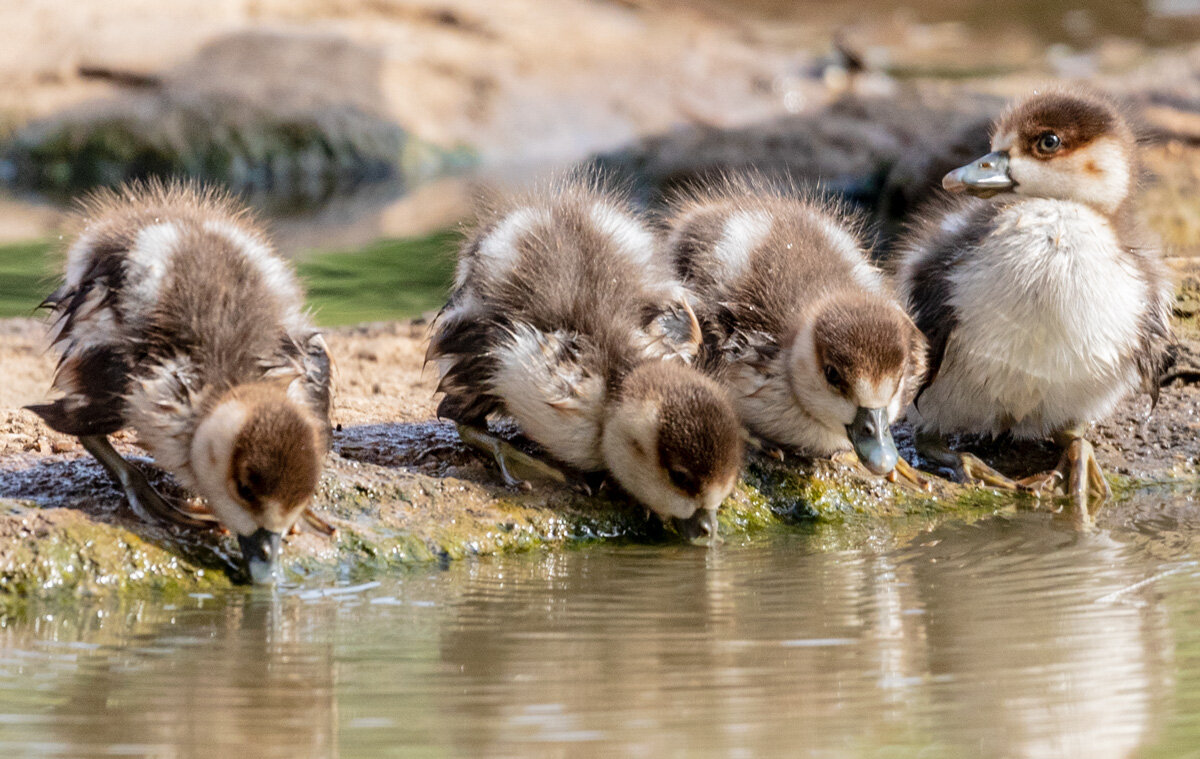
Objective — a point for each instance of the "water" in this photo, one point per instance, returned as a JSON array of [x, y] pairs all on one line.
[[1014, 636]]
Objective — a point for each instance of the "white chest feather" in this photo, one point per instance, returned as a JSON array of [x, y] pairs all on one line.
[[1048, 311]]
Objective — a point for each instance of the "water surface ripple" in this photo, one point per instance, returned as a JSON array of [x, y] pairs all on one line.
[[1013, 636]]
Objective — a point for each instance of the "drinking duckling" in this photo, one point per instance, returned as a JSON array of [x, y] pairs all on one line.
[[564, 317], [817, 353], [177, 319], [1045, 306]]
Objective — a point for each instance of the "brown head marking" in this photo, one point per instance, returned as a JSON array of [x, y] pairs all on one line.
[[860, 337], [699, 435], [1058, 123], [275, 457]]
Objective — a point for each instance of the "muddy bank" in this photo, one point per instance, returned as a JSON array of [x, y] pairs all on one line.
[[404, 492]]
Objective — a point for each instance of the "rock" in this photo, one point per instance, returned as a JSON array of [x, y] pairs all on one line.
[[84, 540], [292, 118]]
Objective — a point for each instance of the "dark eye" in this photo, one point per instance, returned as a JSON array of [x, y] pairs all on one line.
[[833, 376], [245, 493], [1048, 143], [684, 480]]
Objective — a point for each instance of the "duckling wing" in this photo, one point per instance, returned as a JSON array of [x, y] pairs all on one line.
[[94, 366], [1153, 353], [461, 345], [551, 385], [308, 359], [933, 313], [93, 381], [671, 331], [934, 249], [748, 349]]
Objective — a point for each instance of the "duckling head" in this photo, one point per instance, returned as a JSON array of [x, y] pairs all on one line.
[[257, 459], [673, 441], [852, 368], [1058, 144]]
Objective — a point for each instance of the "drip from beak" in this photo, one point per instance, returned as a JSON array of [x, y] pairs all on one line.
[[702, 524], [985, 177], [260, 555], [871, 437]]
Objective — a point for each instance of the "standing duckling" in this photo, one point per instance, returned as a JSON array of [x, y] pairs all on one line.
[[564, 317], [177, 319], [818, 355], [1045, 306]]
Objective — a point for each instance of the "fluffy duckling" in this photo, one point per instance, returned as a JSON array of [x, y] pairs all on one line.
[[1045, 306], [818, 354], [564, 317], [177, 319]]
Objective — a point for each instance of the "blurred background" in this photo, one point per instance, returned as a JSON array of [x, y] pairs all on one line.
[[362, 128]]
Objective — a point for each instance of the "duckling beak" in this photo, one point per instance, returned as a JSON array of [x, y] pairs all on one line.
[[984, 177], [871, 437], [260, 555], [702, 524]]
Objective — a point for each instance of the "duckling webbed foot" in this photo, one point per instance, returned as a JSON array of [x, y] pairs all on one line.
[[1078, 468], [903, 473], [844, 458], [143, 498], [766, 447], [318, 523], [516, 467], [908, 473], [967, 468]]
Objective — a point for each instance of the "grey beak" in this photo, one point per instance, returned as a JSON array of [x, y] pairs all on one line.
[[702, 524], [260, 555], [984, 177], [871, 437]]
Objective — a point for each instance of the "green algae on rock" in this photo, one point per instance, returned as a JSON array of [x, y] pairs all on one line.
[[55, 552], [391, 518]]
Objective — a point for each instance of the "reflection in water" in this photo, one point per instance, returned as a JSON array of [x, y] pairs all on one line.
[[1014, 636], [195, 680], [1037, 649]]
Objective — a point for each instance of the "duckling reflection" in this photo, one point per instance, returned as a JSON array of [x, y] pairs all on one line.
[[1046, 306], [682, 652], [1036, 645], [237, 676], [939, 643], [564, 317], [176, 318]]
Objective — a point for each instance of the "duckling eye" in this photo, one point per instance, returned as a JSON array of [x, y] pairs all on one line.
[[1048, 143], [833, 376], [245, 493], [684, 480]]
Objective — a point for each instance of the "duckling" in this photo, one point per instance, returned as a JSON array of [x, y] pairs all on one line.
[[1046, 305], [817, 353], [565, 317], [177, 319]]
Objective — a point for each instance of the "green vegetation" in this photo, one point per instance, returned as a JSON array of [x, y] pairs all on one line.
[[26, 276], [389, 279]]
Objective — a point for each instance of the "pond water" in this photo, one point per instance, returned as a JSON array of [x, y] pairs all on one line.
[[1013, 636]]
